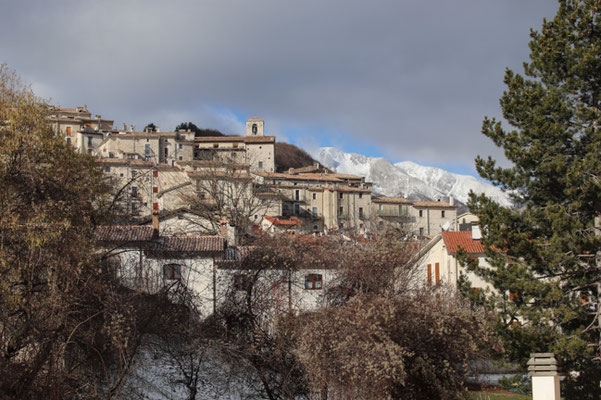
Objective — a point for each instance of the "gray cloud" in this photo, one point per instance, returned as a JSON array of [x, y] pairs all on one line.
[[412, 78]]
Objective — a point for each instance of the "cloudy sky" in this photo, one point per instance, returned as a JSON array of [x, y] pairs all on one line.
[[403, 79]]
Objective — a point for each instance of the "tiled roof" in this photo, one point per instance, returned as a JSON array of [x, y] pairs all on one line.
[[192, 244], [293, 221], [464, 239], [124, 161], [127, 233], [438, 204], [299, 177], [348, 176], [225, 139], [310, 168], [392, 200]]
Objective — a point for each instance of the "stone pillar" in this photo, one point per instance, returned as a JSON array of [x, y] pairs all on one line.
[[542, 367]]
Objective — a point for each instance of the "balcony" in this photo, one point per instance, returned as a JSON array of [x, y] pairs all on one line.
[[343, 215]]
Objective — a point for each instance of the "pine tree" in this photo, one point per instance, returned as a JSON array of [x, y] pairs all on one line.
[[548, 274]]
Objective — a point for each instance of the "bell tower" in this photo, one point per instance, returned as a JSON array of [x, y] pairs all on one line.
[[254, 127]]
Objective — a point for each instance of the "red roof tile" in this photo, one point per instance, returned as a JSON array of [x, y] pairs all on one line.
[[127, 233], [293, 221], [194, 244], [464, 239]]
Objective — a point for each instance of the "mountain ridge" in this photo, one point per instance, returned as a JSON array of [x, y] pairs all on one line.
[[406, 178]]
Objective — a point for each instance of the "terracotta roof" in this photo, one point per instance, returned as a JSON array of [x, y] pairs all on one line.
[[464, 239], [193, 244], [348, 176], [299, 177], [293, 221], [251, 139], [393, 200], [127, 233], [310, 168], [439, 204], [128, 135], [124, 161]]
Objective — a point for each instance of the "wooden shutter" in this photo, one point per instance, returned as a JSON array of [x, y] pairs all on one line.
[[429, 274], [437, 267]]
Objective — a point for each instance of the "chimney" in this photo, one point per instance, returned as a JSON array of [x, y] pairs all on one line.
[[476, 232], [155, 220], [223, 229], [451, 200]]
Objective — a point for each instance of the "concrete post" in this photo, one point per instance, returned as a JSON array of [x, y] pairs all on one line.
[[542, 367]]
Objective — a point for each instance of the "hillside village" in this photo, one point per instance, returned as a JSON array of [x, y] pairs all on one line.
[[204, 194]]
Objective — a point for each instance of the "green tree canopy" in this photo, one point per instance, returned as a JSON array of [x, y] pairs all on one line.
[[548, 278]]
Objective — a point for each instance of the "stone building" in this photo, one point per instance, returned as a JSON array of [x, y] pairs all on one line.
[[79, 128], [323, 201]]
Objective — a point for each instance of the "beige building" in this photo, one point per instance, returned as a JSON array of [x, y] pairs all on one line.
[[432, 217], [156, 147], [254, 149], [439, 264], [423, 218], [79, 128], [323, 201]]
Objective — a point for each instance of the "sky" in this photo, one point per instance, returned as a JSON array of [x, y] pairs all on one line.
[[401, 79]]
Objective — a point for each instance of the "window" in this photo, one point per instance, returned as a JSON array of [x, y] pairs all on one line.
[[155, 189], [134, 206], [360, 195], [166, 152], [360, 212], [314, 196], [181, 158], [181, 146], [442, 213], [111, 154], [314, 211], [421, 231], [297, 209], [315, 227], [121, 174], [313, 282], [172, 271], [215, 145], [340, 210], [234, 155], [235, 145], [260, 164], [147, 149], [134, 191], [68, 140], [379, 207], [297, 195], [255, 129], [108, 169], [421, 213], [68, 131], [429, 274], [340, 195], [90, 141]]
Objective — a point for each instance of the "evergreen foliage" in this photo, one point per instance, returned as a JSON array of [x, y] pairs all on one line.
[[198, 132], [548, 274]]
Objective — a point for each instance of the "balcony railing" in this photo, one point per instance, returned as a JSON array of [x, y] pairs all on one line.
[[343, 216]]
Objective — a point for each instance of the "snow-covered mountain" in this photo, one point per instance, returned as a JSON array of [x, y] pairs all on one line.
[[407, 179]]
